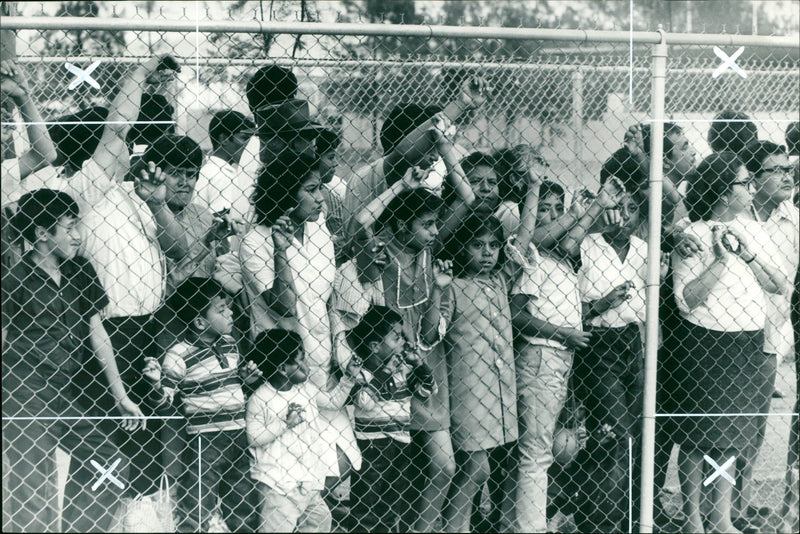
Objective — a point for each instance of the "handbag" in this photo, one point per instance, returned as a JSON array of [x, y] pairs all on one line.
[[147, 513]]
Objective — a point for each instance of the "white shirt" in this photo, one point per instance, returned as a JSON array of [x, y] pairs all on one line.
[[313, 268], [552, 286], [601, 271], [736, 303], [295, 455], [783, 226], [221, 185]]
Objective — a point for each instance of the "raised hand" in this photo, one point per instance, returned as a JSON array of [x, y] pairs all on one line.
[[442, 129], [414, 177], [249, 373], [634, 142], [736, 243], [442, 273], [610, 193], [13, 82], [282, 232], [354, 367], [149, 185], [720, 252], [294, 415], [161, 69], [473, 92], [687, 245]]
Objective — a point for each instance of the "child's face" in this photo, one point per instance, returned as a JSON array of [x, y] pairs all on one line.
[[63, 238], [482, 254], [391, 348], [630, 217], [551, 208], [219, 317], [370, 251], [422, 232], [309, 200], [297, 370], [483, 181]]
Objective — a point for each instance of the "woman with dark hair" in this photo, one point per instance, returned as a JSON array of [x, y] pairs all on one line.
[[721, 297], [288, 268]]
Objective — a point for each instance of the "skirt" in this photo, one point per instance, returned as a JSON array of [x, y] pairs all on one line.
[[720, 373]]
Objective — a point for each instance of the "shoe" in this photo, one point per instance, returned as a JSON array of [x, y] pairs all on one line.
[[215, 523], [778, 394]]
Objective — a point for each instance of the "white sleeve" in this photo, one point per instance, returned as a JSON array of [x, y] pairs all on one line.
[[10, 180], [258, 260]]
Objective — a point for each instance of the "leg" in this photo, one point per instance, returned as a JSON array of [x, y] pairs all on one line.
[[200, 483], [279, 513], [690, 469], [502, 487], [237, 492], [541, 392], [316, 516], [472, 471], [437, 469], [719, 519], [29, 505], [370, 502], [87, 509]]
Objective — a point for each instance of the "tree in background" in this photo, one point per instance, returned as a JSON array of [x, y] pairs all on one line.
[[51, 81]]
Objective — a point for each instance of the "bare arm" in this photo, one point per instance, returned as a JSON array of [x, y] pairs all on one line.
[[104, 352], [281, 297], [42, 152]]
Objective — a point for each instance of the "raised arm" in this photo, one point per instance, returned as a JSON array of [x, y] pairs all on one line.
[[607, 198], [372, 211], [112, 152], [42, 152], [527, 221]]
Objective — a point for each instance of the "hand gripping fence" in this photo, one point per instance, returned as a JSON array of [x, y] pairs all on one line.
[[260, 276]]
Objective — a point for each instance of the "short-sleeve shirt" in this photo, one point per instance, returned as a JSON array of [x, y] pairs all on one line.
[[552, 288], [602, 270], [736, 302], [48, 325]]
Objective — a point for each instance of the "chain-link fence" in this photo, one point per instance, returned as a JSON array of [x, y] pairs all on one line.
[[397, 278]]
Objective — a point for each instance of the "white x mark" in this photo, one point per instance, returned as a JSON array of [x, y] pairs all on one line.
[[719, 471], [82, 75], [107, 475], [728, 62]]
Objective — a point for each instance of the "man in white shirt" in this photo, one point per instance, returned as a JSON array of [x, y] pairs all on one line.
[[222, 183]]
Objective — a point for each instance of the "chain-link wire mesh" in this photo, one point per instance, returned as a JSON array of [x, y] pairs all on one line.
[[359, 282]]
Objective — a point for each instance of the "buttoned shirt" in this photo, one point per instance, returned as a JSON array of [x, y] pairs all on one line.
[[119, 236], [602, 271], [551, 286], [736, 301], [783, 226], [48, 324]]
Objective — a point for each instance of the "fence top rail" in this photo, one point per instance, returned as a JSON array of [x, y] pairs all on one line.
[[396, 30]]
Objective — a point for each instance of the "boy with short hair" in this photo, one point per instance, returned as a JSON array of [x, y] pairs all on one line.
[[205, 368], [222, 183], [52, 299], [382, 416], [283, 430]]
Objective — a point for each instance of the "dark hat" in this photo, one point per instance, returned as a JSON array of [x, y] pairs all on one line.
[[270, 85], [287, 117]]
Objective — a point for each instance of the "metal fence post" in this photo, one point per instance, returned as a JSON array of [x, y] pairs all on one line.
[[659, 73], [577, 111]]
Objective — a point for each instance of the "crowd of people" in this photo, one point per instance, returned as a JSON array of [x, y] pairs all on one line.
[[252, 330]]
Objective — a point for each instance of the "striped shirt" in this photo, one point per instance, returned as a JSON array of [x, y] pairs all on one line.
[[208, 381], [383, 409]]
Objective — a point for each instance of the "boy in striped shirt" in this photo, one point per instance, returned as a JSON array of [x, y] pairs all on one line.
[[205, 370]]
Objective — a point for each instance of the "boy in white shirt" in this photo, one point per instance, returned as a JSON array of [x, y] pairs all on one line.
[[283, 430]]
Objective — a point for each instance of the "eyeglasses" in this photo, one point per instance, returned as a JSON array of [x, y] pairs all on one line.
[[788, 169], [745, 183]]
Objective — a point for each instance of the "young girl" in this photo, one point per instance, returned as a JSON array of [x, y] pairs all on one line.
[[480, 358]]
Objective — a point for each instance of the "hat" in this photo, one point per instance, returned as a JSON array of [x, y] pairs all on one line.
[[291, 116]]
